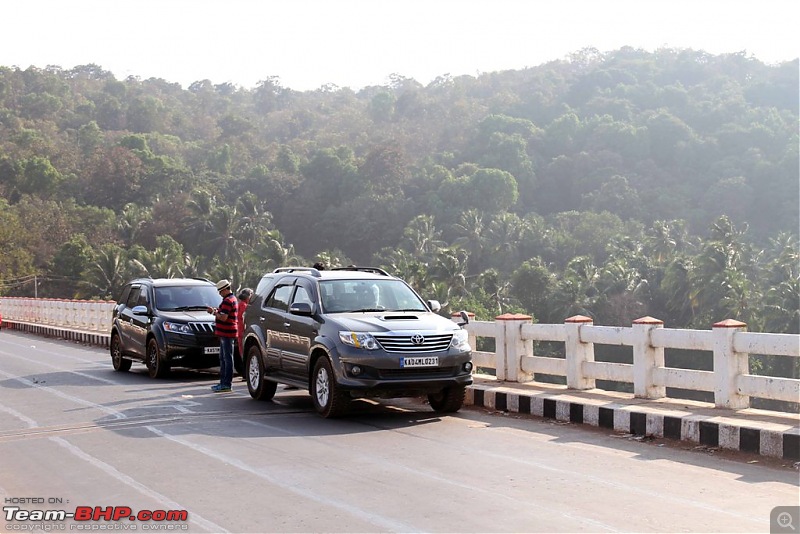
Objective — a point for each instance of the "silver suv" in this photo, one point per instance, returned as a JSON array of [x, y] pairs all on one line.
[[352, 332]]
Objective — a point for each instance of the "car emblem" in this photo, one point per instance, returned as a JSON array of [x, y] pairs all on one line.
[[417, 339]]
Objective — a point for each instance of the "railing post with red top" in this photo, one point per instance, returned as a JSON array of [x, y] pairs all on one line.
[[729, 365], [578, 352], [513, 347], [646, 358]]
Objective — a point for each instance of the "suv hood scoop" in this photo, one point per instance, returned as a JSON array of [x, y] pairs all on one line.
[[400, 317]]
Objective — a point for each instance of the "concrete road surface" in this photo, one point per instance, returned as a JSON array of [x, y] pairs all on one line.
[[77, 437]]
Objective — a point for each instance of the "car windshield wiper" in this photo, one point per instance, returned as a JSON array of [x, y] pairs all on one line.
[[187, 308], [369, 310], [407, 309]]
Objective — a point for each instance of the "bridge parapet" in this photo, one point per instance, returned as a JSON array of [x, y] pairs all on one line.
[[730, 380]]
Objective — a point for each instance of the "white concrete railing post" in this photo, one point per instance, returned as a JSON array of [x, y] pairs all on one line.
[[514, 347], [500, 367], [729, 365], [578, 352], [646, 358]]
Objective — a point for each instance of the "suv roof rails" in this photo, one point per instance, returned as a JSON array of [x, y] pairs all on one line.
[[310, 270], [375, 270]]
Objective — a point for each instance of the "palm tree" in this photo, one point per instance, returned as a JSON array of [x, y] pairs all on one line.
[[421, 237], [108, 273], [470, 236], [505, 235], [133, 218]]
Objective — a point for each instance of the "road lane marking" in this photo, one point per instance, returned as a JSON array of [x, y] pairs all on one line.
[[110, 470], [384, 523], [162, 500]]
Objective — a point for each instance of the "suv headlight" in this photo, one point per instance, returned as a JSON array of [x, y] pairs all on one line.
[[460, 340], [178, 328], [360, 340]]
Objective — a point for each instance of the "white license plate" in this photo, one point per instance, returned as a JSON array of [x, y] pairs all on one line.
[[212, 350], [420, 361]]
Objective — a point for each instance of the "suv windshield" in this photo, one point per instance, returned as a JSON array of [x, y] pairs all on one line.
[[185, 298], [341, 296]]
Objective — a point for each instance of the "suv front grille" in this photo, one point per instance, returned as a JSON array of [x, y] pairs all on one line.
[[412, 344], [202, 328]]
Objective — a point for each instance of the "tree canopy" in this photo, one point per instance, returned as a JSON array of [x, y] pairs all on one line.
[[615, 185]]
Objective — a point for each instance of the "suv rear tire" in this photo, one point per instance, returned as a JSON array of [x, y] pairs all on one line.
[[329, 400], [449, 400], [259, 388], [156, 366], [120, 364]]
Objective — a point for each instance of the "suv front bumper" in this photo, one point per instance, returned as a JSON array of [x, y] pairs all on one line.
[[381, 372], [190, 350]]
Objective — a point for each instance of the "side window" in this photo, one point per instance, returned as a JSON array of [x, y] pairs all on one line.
[[301, 295], [142, 297], [279, 298], [264, 284], [126, 291], [133, 297]]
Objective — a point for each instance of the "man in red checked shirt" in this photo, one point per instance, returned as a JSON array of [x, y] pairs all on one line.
[[227, 330]]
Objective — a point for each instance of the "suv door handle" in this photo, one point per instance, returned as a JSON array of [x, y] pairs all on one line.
[[287, 325]]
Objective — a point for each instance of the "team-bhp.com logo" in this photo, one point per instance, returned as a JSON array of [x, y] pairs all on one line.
[[87, 517]]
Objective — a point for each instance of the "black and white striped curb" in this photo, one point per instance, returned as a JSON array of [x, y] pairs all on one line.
[[90, 338], [780, 441]]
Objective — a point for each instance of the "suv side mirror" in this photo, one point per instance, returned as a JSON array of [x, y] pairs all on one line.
[[139, 310], [301, 308], [434, 306]]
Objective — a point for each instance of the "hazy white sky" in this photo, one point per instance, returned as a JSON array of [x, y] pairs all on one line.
[[355, 43]]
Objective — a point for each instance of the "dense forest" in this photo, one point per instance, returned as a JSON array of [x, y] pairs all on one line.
[[614, 185]]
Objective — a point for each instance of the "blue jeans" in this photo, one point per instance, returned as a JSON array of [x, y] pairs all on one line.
[[226, 361]]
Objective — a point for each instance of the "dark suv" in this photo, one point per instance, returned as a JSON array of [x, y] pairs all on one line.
[[352, 332], [163, 322]]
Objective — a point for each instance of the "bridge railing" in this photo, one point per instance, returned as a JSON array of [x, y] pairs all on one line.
[[730, 380], [92, 316], [514, 360]]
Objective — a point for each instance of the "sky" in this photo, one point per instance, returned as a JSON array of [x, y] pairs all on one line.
[[307, 44]]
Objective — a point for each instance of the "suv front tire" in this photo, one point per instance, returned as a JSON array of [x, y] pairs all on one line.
[[329, 400], [449, 400], [156, 366]]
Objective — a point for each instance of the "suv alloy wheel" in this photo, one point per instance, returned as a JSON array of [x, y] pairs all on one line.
[[156, 366], [120, 364], [329, 400]]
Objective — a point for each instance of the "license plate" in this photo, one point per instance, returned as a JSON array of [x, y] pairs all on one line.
[[212, 350], [420, 361]]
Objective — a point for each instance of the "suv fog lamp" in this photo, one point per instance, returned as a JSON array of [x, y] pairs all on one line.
[[356, 370], [468, 367]]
